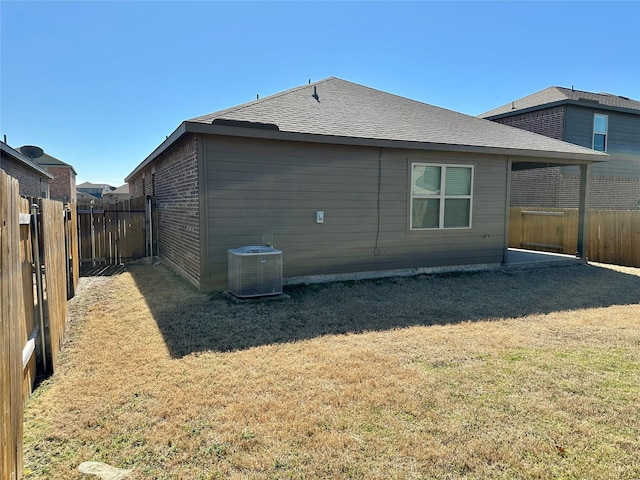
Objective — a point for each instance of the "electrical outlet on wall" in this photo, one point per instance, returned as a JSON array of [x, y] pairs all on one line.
[[319, 216]]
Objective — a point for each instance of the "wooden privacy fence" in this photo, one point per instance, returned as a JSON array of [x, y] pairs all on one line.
[[111, 234], [38, 273], [613, 235]]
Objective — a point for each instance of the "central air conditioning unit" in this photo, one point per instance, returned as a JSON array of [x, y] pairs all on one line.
[[255, 271]]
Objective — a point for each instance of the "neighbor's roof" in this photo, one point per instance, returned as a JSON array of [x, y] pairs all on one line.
[[26, 161], [85, 196], [338, 111], [47, 160], [121, 190], [553, 96], [94, 186]]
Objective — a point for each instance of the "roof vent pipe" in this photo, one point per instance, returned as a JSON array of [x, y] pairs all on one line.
[[315, 94]]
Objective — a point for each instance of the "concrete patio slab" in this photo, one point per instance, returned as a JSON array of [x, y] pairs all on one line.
[[519, 258]]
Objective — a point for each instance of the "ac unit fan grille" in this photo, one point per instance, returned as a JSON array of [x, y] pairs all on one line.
[[255, 271]]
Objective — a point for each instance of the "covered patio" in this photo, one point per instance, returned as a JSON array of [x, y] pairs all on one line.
[[524, 257]]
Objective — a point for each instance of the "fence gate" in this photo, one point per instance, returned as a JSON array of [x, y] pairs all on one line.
[[112, 234]]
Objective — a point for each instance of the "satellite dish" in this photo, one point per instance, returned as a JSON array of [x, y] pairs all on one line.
[[31, 151]]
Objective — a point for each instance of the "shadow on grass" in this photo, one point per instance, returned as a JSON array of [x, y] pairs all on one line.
[[193, 322], [102, 270]]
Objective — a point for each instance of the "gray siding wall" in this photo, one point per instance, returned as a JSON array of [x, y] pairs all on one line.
[[268, 191], [623, 140]]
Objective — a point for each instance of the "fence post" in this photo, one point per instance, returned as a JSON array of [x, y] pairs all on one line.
[[583, 212], [67, 250], [150, 220], [11, 369], [38, 272], [93, 237]]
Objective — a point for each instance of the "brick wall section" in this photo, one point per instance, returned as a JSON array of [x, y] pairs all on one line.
[[174, 177], [548, 122], [549, 187], [32, 183], [608, 193], [536, 188], [63, 185], [135, 186]]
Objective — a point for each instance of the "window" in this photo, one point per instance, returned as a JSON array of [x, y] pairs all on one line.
[[441, 196], [600, 125]]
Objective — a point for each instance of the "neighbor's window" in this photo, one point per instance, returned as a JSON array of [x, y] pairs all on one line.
[[600, 124], [441, 196]]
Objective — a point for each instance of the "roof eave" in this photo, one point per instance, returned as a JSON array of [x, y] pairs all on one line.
[[25, 160], [170, 140], [543, 106], [63, 165], [223, 130], [591, 156]]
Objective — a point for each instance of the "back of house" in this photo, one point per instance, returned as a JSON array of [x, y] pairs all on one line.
[[347, 181]]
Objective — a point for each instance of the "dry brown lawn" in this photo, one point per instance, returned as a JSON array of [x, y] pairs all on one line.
[[511, 375]]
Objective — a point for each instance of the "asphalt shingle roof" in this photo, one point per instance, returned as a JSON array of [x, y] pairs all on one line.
[[558, 95], [93, 185], [346, 109], [22, 158], [47, 160]]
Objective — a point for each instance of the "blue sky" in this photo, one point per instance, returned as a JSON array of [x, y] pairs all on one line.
[[100, 84]]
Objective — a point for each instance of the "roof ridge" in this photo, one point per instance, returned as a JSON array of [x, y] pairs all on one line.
[[354, 114], [575, 90], [555, 95], [602, 94], [56, 159], [258, 101], [398, 96]]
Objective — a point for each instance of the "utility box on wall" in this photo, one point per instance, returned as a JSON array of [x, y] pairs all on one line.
[[255, 271]]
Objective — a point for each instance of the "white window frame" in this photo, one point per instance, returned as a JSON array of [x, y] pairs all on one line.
[[442, 196], [605, 133]]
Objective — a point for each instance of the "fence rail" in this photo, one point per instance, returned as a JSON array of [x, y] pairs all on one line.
[[613, 235], [38, 273]]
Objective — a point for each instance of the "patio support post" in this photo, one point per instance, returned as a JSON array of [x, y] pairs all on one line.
[[583, 212], [507, 211]]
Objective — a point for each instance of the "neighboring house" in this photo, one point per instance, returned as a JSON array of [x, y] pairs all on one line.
[[84, 197], [34, 180], [346, 180], [600, 121], [96, 190], [117, 195], [63, 185]]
